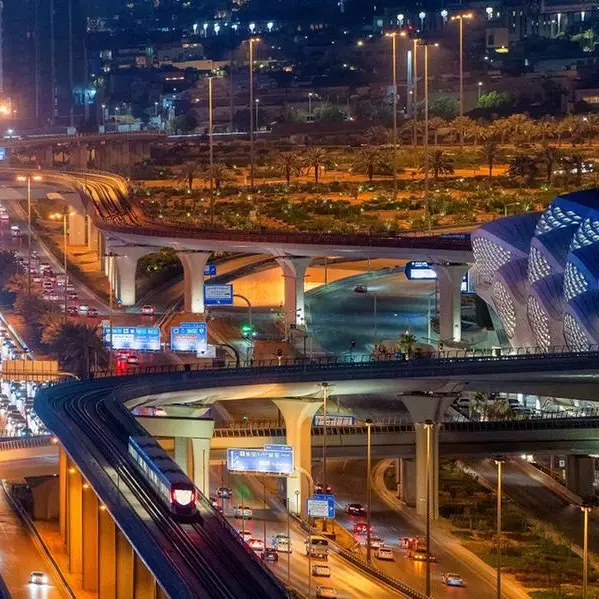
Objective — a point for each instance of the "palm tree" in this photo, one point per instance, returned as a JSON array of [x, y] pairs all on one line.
[[189, 172], [376, 136], [406, 342], [434, 124], [574, 163], [491, 152], [461, 125], [369, 159], [287, 163], [8, 266], [74, 344], [16, 284], [546, 128], [549, 156], [523, 167], [218, 172], [315, 158], [439, 163]]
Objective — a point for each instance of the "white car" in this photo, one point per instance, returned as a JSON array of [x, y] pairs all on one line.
[[246, 535], [384, 553], [132, 359], [83, 309], [147, 310], [240, 511], [320, 570], [256, 544], [453, 580], [281, 543], [323, 592], [376, 542], [38, 578]]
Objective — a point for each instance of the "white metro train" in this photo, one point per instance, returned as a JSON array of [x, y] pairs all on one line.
[[176, 490]]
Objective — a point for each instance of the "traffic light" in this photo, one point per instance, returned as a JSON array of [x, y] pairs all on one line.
[[247, 331]]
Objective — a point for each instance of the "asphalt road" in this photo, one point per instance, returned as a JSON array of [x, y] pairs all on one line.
[[349, 582], [347, 477], [19, 557]]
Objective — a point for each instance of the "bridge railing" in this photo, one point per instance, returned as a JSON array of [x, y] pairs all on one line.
[[12, 443]]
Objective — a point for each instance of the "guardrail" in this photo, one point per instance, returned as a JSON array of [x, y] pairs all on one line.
[[8, 444], [364, 566]]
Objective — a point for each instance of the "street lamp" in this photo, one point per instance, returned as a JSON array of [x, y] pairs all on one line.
[[480, 88], [310, 94], [251, 43], [499, 462], [586, 509], [251, 333], [422, 16], [368, 489], [57, 216], [325, 393], [210, 131], [28, 178], [461, 18], [428, 426], [415, 94], [393, 36], [257, 102]]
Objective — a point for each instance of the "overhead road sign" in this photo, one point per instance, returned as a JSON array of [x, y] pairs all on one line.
[[218, 295], [210, 270], [138, 338], [262, 461], [423, 271], [321, 506], [189, 337]]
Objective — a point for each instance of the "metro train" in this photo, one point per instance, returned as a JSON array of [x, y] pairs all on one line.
[[175, 489]]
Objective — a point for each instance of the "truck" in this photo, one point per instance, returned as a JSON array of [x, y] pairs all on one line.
[[317, 547]]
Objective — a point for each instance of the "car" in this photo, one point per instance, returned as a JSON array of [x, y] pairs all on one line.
[[122, 354], [83, 309], [361, 528], [355, 509], [360, 289], [214, 502], [419, 555], [72, 311], [323, 592], [224, 493], [384, 553], [147, 310], [321, 570], [37, 577], [282, 543], [270, 555], [92, 313], [132, 359], [256, 544], [73, 297], [376, 542], [240, 511], [246, 535], [322, 489], [452, 580]]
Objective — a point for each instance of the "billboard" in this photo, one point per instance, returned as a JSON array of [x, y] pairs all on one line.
[[422, 271], [139, 338], [2, 153], [218, 295], [210, 270], [189, 337], [262, 461], [321, 506]]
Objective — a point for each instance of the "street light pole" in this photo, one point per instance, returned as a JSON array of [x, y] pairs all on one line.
[[368, 490], [415, 95], [65, 214], [210, 132], [257, 103], [393, 36], [461, 18], [325, 393], [310, 106], [499, 462], [585, 556], [251, 42], [428, 425]]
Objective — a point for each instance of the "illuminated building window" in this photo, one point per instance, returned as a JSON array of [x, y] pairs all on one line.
[[576, 338], [539, 322], [489, 256], [504, 306], [538, 267], [574, 282], [587, 234], [555, 218]]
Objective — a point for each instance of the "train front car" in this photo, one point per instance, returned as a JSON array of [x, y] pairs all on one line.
[[176, 490]]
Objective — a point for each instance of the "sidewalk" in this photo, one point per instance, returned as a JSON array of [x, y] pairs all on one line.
[[510, 587]]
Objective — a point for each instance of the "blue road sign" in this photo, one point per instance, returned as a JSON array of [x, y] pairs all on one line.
[[321, 506], [139, 338], [422, 271], [188, 336], [260, 460], [218, 295], [2, 153], [210, 270], [278, 448]]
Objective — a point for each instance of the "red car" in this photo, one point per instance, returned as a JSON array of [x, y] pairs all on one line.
[[361, 528], [93, 312]]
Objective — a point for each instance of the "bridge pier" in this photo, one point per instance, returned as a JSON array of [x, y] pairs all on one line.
[[297, 415], [193, 280], [125, 261], [90, 514], [580, 475], [449, 277], [427, 411], [294, 272], [407, 479], [77, 228]]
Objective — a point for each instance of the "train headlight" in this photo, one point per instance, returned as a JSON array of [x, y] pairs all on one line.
[[182, 496]]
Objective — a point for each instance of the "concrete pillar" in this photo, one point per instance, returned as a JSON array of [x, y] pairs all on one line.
[[107, 555], [92, 236], [298, 415], [90, 539], [449, 277], [62, 492], [193, 280], [45, 156], [427, 408], [182, 456], [294, 272], [407, 481], [200, 454], [77, 228], [144, 586], [580, 475], [125, 570], [125, 260], [79, 156], [75, 520]]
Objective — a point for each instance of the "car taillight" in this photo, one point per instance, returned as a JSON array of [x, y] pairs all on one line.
[[183, 496]]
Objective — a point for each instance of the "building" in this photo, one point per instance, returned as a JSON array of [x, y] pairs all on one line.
[[539, 272], [44, 63]]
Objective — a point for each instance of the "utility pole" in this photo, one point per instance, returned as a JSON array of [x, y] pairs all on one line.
[[71, 76], [52, 62]]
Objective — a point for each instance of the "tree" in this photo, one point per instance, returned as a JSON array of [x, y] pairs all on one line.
[[377, 136], [330, 113], [462, 125], [574, 164], [494, 101], [316, 158], [444, 107], [218, 172], [490, 152], [16, 284], [434, 125], [8, 267], [549, 156], [439, 163], [33, 306], [190, 171], [287, 164], [523, 167], [74, 344], [185, 123], [370, 160], [406, 342]]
